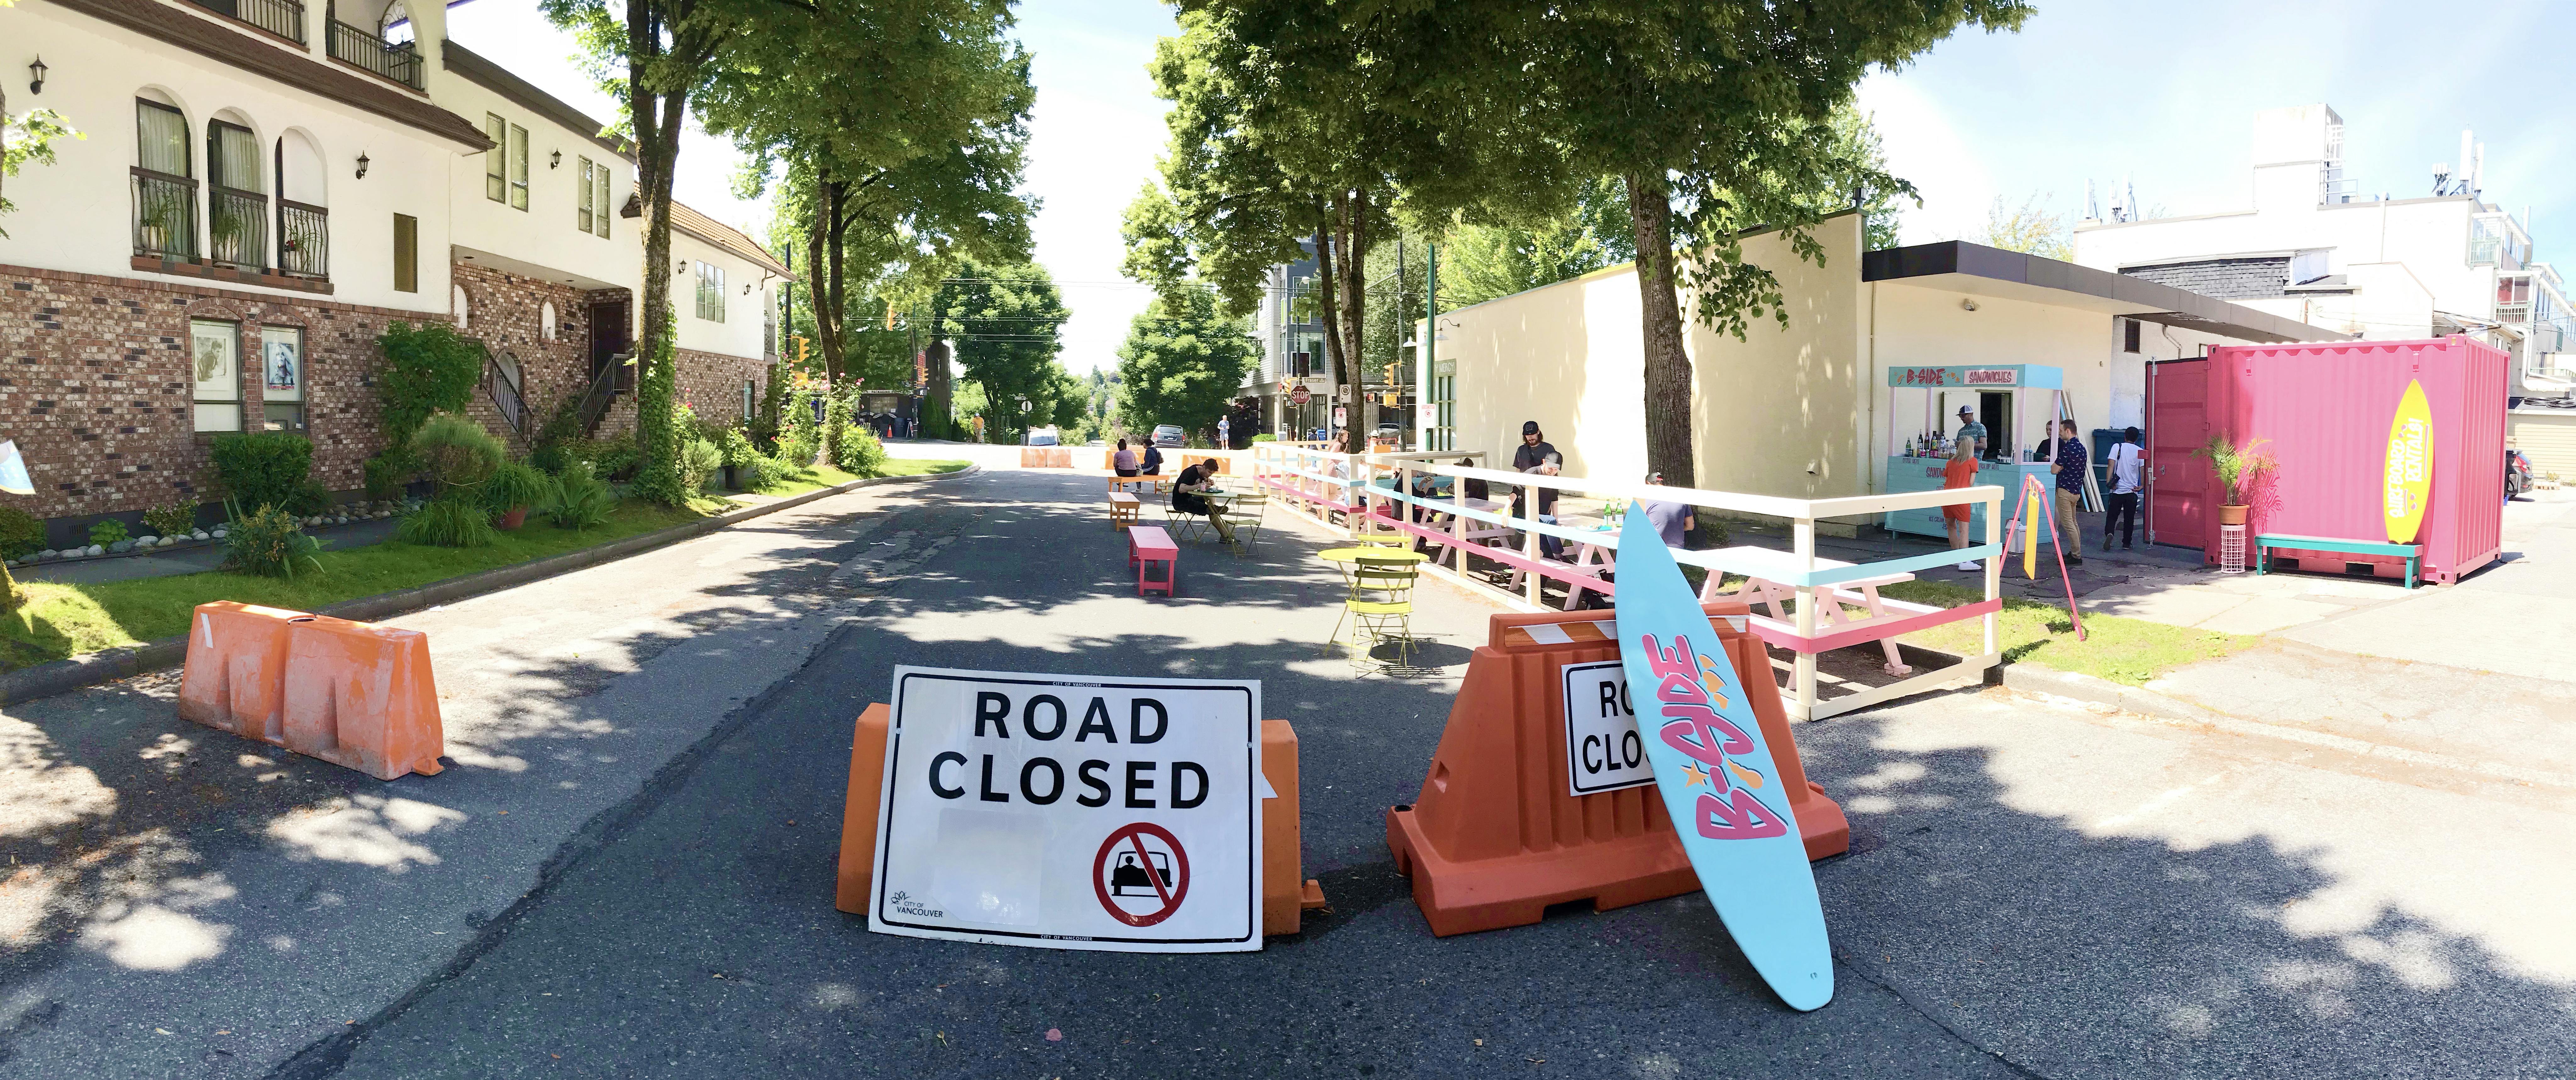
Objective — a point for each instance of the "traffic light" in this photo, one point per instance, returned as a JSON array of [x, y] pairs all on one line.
[[1390, 374]]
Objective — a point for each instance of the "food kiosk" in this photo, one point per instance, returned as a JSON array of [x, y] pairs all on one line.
[[2018, 404]]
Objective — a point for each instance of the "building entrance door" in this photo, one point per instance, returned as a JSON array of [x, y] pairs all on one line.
[[2178, 485], [608, 338]]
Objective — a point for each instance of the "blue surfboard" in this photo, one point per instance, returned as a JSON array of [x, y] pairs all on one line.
[[1716, 774]]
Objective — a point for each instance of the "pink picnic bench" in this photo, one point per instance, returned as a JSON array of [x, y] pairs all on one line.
[[1147, 545]]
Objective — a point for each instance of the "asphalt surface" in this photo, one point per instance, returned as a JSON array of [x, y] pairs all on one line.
[[2033, 890]]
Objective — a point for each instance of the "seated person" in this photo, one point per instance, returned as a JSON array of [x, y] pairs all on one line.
[[1153, 459], [1476, 489], [1124, 461], [1187, 499]]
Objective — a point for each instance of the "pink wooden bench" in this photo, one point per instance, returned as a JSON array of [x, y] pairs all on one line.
[[1147, 545]]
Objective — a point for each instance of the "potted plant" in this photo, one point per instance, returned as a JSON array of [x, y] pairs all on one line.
[[512, 489], [2236, 463], [159, 223]]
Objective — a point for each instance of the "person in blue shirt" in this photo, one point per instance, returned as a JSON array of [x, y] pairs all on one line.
[[1153, 458], [2069, 464]]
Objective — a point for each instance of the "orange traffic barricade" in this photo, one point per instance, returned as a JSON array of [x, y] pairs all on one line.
[[1286, 893], [1496, 836], [351, 693]]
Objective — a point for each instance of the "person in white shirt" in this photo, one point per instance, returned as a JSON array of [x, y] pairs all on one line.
[[2128, 477]]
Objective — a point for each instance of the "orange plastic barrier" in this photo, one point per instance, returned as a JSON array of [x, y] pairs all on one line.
[[1286, 893], [1495, 838], [350, 693], [236, 675]]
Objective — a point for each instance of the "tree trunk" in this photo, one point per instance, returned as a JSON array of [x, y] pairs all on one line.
[[1328, 306], [837, 346], [936, 397], [1353, 251], [1668, 367]]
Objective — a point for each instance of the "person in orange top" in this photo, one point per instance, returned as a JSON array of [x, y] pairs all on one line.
[[1961, 472]]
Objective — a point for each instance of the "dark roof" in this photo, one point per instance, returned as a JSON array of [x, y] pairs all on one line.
[[482, 72], [688, 220], [280, 63], [2250, 278], [1976, 268]]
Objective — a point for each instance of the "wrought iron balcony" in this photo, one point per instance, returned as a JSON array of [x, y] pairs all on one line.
[[237, 232], [304, 239], [165, 216], [284, 18], [401, 63]]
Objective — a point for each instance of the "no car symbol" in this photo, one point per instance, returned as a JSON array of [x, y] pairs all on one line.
[[1141, 874]]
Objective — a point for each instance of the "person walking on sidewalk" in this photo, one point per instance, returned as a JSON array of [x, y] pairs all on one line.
[[1960, 472], [2069, 464], [2128, 474]]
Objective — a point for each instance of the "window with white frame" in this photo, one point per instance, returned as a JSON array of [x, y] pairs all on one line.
[[595, 209], [281, 374], [711, 295], [747, 391], [505, 165], [518, 167], [215, 347]]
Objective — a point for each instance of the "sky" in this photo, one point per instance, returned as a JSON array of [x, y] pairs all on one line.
[[2161, 98]]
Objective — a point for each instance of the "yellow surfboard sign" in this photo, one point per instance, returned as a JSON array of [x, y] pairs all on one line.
[[2406, 483]]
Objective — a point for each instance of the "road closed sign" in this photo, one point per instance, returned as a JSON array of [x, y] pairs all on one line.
[[1602, 749], [1071, 812]]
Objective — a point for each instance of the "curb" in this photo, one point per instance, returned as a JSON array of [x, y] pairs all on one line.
[[73, 673], [2095, 690]]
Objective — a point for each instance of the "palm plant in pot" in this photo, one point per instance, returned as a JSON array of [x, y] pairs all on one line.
[[512, 490], [2237, 464]]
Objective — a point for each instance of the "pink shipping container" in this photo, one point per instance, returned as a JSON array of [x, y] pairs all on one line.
[[2326, 409]]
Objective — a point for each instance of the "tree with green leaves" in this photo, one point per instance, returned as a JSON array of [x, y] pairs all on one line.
[[2029, 228], [1483, 262], [27, 139], [653, 57], [1718, 118], [1182, 362], [901, 128], [1005, 323]]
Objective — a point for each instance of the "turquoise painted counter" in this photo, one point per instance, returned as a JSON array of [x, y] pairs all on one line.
[[1924, 474]]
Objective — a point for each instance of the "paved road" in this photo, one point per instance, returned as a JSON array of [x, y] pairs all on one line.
[[2034, 890]]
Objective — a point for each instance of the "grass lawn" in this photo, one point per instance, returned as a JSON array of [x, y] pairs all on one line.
[[68, 620], [2128, 651]]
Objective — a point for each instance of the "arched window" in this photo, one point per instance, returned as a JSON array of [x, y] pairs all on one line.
[[303, 222], [395, 27], [237, 197], [165, 184], [463, 316], [546, 320]]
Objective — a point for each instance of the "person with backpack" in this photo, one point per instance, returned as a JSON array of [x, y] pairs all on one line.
[[2128, 480]]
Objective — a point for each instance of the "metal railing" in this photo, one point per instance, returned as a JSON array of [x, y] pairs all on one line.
[[284, 18], [603, 392], [303, 239], [237, 228], [401, 63], [507, 395], [165, 216]]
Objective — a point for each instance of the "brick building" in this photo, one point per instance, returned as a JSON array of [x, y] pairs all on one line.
[[262, 188]]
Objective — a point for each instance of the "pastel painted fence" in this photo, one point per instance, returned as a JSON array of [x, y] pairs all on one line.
[[1357, 495]]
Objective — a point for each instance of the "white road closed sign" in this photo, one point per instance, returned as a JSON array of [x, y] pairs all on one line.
[[1602, 749], [1071, 812]]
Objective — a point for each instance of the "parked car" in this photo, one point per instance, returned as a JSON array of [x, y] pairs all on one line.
[[2517, 474], [1042, 437], [1170, 435]]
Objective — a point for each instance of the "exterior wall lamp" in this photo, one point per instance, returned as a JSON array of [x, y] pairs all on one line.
[[555, 162], [362, 165], [37, 69]]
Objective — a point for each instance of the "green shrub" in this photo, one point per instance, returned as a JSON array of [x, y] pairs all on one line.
[[267, 541], [1265, 438], [389, 470], [609, 459], [458, 453], [581, 500], [700, 463], [662, 477], [429, 369], [309, 498], [757, 473], [561, 429], [861, 453], [458, 520], [107, 532], [263, 468], [515, 486], [21, 534], [168, 519], [836, 426]]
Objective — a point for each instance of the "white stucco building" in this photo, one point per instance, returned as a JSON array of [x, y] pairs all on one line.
[[2310, 245]]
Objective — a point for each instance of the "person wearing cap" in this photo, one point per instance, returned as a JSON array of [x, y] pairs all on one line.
[[1969, 428], [1536, 456], [1672, 520]]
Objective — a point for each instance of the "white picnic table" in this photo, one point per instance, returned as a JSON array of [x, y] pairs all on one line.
[[1763, 567]]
